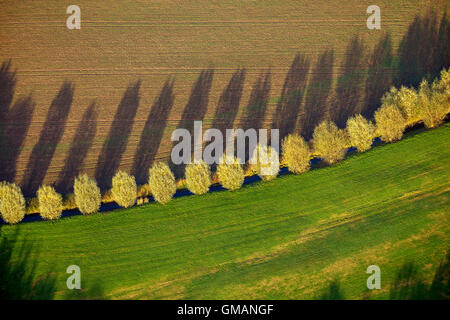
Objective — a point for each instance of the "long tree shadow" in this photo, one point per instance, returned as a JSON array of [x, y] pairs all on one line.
[[409, 284], [7, 84], [288, 107], [441, 57], [228, 105], [15, 131], [379, 77], [317, 94], [194, 110], [152, 133], [348, 96], [423, 51], [19, 260], [115, 144], [51, 134], [92, 290], [440, 287], [254, 114], [332, 292], [17, 271], [79, 148]]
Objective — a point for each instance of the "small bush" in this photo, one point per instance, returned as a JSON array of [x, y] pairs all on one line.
[[143, 191], [249, 170], [390, 123], [330, 142], [50, 203], [107, 196], [432, 104], [87, 194], [360, 132], [198, 178], [296, 153], [162, 182], [214, 178], [12, 203], [32, 206], [181, 184], [230, 173], [69, 202], [124, 189], [265, 161]]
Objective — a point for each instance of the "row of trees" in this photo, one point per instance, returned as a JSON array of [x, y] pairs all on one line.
[[400, 108], [309, 95], [124, 190]]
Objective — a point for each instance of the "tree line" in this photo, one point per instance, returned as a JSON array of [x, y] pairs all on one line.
[[308, 101]]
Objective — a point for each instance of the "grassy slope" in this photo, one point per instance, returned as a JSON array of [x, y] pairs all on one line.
[[283, 239]]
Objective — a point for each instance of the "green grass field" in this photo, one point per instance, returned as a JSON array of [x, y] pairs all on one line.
[[288, 238]]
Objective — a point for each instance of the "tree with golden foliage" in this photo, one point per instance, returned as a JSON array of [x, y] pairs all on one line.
[[230, 173], [87, 194], [406, 100], [12, 203], [390, 123], [50, 203], [432, 103], [360, 132], [330, 142], [296, 153], [265, 162], [198, 177], [443, 88], [124, 189], [161, 182]]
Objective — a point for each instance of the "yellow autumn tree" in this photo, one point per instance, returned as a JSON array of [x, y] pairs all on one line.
[[87, 194], [50, 203], [390, 123], [330, 142], [161, 182], [296, 153], [198, 177], [124, 189], [360, 132], [12, 203], [230, 173]]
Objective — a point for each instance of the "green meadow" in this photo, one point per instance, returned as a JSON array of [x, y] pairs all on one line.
[[296, 237]]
